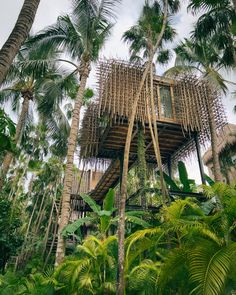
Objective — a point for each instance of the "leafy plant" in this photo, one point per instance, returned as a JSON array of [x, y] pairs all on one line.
[[7, 132], [186, 185], [10, 236], [102, 216], [92, 270]]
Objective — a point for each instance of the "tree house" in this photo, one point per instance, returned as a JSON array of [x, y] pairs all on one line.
[[181, 108]]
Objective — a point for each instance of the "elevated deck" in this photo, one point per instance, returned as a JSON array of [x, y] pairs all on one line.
[[171, 138], [112, 146]]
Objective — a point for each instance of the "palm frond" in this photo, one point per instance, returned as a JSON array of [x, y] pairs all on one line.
[[196, 5], [216, 80], [63, 35], [209, 267], [145, 276]]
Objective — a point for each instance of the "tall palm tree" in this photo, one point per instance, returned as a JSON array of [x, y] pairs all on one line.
[[166, 7], [81, 34], [205, 58], [33, 78], [18, 36]]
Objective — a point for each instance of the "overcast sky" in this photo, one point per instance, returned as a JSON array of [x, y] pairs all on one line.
[[128, 12]]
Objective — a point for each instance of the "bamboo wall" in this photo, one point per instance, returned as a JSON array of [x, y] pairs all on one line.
[[118, 84]]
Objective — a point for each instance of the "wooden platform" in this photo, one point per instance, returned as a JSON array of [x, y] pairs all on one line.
[[171, 138]]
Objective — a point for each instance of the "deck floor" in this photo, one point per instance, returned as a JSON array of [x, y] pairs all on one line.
[[171, 138]]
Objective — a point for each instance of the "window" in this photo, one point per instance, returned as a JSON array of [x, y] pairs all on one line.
[[166, 102]]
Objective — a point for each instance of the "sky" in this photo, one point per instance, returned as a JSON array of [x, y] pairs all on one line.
[[128, 13]]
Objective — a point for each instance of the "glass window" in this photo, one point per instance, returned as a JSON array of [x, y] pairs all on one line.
[[166, 102]]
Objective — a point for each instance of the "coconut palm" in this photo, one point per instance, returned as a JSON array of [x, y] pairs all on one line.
[[18, 36], [33, 79], [204, 58], [218, 23], [46, 190], [166, 7], [81, 34]]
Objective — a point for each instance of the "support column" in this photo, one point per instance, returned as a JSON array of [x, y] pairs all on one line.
[[169, 166], [200, 163]]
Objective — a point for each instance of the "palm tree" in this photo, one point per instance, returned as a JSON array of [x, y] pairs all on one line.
[[18, 36], [201, 57], [82, 34], [166, 6], [33, 78], [205, 58], [218, 23]]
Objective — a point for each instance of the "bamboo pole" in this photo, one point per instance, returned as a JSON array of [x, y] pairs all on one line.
[[156, 138], [54, 234], [121, 223]]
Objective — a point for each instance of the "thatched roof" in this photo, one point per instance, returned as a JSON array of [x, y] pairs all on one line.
[[227, 137], [118, 82]]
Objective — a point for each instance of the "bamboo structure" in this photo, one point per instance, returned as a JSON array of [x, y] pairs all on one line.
[[181, 106]]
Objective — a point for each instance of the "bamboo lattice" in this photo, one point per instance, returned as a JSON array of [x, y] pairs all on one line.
[[118, 82]]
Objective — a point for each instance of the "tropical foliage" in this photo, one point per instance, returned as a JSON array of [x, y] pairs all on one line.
[[153, 232], [7, 132]]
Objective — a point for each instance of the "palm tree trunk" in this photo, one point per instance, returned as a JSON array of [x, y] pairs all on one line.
[[72, 144], [18, 35], [154, 141], [121, 223], [40, 210], [28, 228], [9, 156]]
